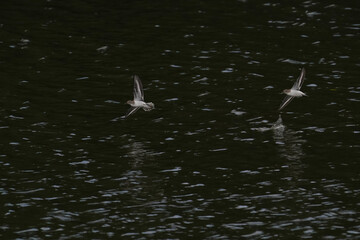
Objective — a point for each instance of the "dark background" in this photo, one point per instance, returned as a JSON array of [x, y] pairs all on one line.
[[205, 164]]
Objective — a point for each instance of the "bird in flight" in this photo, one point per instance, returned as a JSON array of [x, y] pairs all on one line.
[[138, 101], [294, 91]]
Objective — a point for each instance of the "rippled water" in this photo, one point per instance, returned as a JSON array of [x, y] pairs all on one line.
[[208, 162]]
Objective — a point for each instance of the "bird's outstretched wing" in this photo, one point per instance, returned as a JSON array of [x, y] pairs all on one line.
[[131, 110], [285, 102], [138, 89], [299, 82]]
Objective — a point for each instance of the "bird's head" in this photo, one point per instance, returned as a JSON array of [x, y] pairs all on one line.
[[286, 91]]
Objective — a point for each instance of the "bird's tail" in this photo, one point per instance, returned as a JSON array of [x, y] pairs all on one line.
[[149, 106]]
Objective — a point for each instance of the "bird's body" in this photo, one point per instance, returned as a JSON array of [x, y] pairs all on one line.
[[141, 104], [294, 92], [138, 101]]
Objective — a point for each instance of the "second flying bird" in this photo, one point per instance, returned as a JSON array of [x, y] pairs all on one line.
[[138, 101], [294, 91]]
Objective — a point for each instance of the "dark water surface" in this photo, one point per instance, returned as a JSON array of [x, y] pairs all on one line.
[[205, 164]]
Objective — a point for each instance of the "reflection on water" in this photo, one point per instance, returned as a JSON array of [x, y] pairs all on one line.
[[289, 142], [290, 146], [135, 179], [138, 153]]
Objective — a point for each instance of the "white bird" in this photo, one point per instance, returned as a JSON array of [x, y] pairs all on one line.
[[294, 91], [138, 101]]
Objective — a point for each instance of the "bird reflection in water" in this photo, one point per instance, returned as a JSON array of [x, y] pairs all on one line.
[[138, 152], [289, 141], [132, 178], [136, 180], [290, 146]]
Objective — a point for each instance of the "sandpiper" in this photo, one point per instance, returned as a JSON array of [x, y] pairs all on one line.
[[138, 101], [294, 91]]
